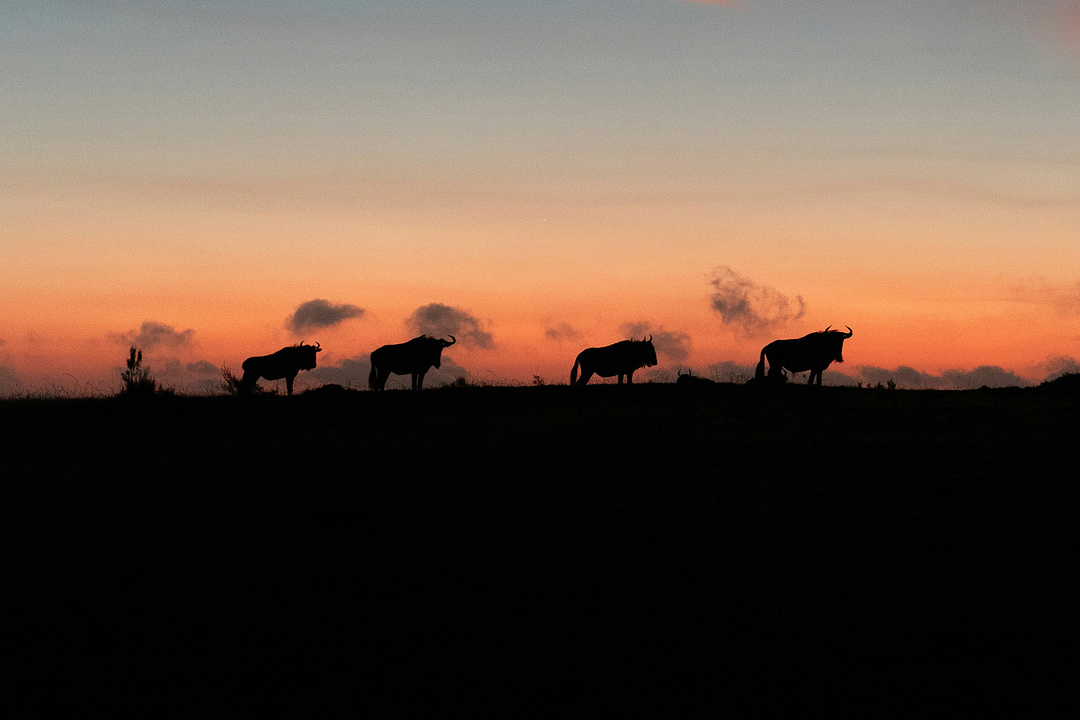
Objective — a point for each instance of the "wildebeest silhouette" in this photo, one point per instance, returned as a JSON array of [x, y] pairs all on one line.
[[285, 363], [622, 358], [813, 352], [414, 357], [690, 380]]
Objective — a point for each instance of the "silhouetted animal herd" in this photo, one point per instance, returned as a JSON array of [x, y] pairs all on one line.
[[813, 352]]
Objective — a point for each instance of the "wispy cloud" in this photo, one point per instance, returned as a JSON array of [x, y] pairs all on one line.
[[908, 378], [315, 314], [674, 345], [152, 334], [437, 320], [1057, 365], [731, 372], [8, 379], [1063, 298], [202, 367], [756, 309], [350, 372], [563, 332]]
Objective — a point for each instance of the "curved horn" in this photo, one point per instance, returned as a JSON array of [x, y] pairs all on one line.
[[317, 346], [301, 344], [650, 338], [452, 341], [850, 332], [826, 329]]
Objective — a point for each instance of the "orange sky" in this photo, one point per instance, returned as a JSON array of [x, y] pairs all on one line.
[[910, 170]]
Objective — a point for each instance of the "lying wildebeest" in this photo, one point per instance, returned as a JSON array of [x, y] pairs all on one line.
[[622, 358], [414, 357], [690, 380], [285, 363], [813, 352]]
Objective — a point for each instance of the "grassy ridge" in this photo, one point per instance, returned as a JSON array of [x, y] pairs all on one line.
[[508, 548]]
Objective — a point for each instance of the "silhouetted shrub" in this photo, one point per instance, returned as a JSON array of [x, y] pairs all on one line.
[[233, 384], [137, 379], [230, 383]]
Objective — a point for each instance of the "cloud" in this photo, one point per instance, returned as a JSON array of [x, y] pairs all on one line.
[[563, 332], [907, 378], [730, 372], [674, 345], [1037, 290], [153, 334], [315, 314], [9, 380], [754, 308], [200, 376], [350, 372], [438, 320], [984, 376], [202, 367], [1058, 365]]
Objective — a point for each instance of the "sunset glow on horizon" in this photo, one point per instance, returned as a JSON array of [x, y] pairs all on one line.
[[213, 180]]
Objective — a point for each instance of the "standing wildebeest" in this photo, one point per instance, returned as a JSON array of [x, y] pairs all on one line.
[[813, 352], [285, 363], [622, 358], [414, 358]]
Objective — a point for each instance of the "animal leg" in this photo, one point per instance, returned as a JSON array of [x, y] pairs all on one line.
[[288, 383]]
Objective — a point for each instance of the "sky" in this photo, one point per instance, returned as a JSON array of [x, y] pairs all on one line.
[[213, 180]]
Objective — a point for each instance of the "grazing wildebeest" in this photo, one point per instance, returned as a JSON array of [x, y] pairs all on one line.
[[285, 363], [689, 380], [813, 352], [414, 358], [622, 358]]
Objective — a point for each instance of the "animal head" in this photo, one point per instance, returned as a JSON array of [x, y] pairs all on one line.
[[433, 348], [833, 340], [644, 350], [306, 355], [690, 379]]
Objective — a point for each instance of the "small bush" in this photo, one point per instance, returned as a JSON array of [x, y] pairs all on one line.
[[230, 383], [137, 379], [234, 385]]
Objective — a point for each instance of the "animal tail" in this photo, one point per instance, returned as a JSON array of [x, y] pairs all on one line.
[[372, 376], [760, 372], [573, 371]]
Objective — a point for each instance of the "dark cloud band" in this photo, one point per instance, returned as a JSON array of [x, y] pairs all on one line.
[[754, 308], [439, 320], [316, 314]]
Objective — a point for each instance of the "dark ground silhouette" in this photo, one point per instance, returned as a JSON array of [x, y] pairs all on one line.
[[532, 551]]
